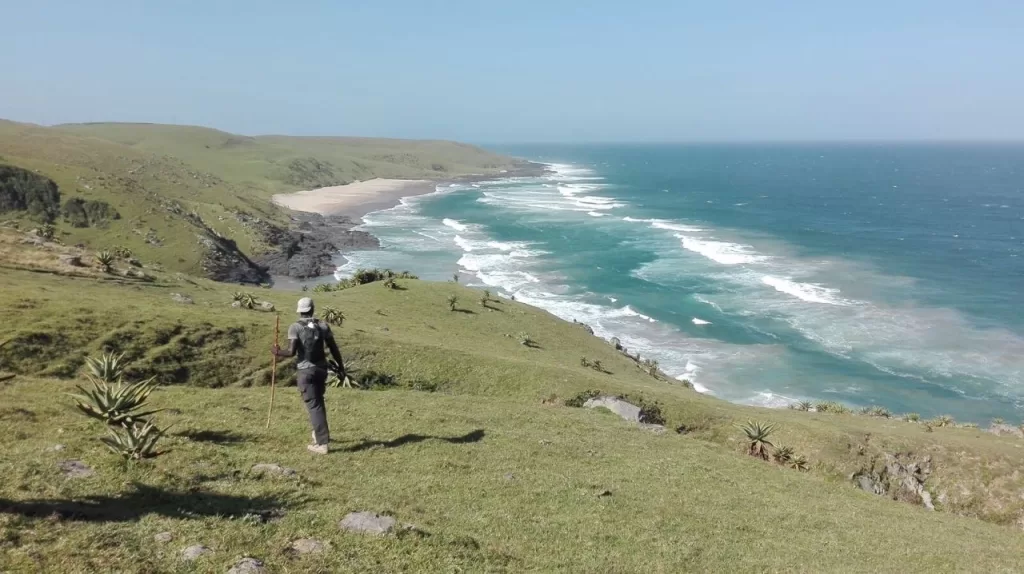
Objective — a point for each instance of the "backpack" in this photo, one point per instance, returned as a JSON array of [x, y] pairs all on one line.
[[311, 339]]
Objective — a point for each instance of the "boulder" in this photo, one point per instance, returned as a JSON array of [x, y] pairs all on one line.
[[270, 468], [71, 260], [75, 469], [307, 546], [163, 537], [899, 477], [194, 552], [368, 522], [183, 299], [266, 306], [620, 407], [248, 566]]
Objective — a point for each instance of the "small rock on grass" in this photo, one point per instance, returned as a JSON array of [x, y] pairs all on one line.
[[163, 537], [307, 546], [57, 447], [183, 299], [75, 468], [368, 522], [269, 468], [194, 552], [248, 566]]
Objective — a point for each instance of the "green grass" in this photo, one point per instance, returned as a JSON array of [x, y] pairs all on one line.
[[476, 363], [268, 163], [492, 483]]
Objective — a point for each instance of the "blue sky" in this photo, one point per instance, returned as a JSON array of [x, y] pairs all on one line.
[[490, 71]]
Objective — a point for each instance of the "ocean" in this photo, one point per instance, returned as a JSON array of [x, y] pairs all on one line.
[[886, 275]]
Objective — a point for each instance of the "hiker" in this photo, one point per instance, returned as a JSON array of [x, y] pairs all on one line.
[[307, 338]]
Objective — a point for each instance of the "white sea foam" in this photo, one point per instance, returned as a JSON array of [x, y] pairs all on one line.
[[455, 224], [721, 251], [697, 321], [596, 214], [658, 224], [805, 291]]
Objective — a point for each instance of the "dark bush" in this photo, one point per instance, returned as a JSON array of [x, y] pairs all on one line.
[[23, 190], [88, 213], [582, 397]]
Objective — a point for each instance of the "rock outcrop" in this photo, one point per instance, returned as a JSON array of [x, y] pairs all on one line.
[[310, 248], [899, 477]]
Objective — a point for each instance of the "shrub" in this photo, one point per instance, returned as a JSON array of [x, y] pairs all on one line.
[[333, 316], [245, 300], [831, 407], [527, 341], [305, 288], [650, 412], [584, 362], [799, 462], [998, 421], [651, 367], [487, 295], [389, 283], [968, 425], [757, 434], [942, 421], [455, 278], [876, 411], [912, 417], [115, 405], [406, 275], [105, 260], [801, 406], [136, 442], [580, 398], [46, 231], [122, 252], [782, 454], [322, 288], [108, 368], [452, 301]]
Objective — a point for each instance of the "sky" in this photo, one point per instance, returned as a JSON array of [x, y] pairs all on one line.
[[525, 71]]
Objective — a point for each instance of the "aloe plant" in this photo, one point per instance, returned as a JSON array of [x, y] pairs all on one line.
[[108, 367], [333, 316], [105, 259], [245, 300], [116, 405], [757, 434], [799, 462], [782, 454], [135, 442], [453, 300]]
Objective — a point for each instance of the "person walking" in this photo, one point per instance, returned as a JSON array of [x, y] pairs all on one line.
[[307, 340]]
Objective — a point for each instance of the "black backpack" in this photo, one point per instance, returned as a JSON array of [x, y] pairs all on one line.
[[311, 340]]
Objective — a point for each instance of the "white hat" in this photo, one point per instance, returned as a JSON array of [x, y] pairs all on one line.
[[305, 305]]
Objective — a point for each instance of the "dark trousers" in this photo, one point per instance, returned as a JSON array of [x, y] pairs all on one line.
[[312, 384]]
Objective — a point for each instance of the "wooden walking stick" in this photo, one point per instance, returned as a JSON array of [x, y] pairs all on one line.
[[273, 370]]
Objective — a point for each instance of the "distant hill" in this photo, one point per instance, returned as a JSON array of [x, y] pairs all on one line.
[[197, 200], [284, 163]]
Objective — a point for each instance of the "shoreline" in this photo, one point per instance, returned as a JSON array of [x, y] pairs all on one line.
[[331, 215], [354, 200]]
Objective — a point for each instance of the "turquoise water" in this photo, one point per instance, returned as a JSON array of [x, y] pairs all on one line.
[[888, 275]]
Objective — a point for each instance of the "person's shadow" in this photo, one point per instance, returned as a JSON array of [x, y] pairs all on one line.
[[472, 436], [142, 501]]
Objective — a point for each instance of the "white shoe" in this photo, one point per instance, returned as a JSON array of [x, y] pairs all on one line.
[[317, 448]]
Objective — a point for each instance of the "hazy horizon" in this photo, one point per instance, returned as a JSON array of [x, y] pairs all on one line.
[[650, 72]]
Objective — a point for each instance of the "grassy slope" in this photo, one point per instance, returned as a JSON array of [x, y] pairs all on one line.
[[681, 502], [144, 169], [263, 161]]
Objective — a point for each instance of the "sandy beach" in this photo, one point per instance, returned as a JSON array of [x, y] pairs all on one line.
[[355, 199]]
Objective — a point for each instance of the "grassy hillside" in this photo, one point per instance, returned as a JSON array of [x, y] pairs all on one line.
[[689, 500], [197, 200], [273, 164]]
